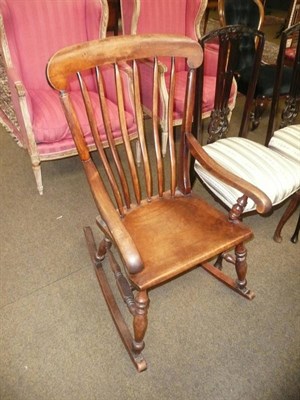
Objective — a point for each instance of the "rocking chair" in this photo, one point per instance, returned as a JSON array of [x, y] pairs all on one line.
[[149, 215]]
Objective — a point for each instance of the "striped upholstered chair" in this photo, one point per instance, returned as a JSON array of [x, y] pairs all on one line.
[[274, 168], [286, 141], [31, 31], [172, 17], [267, 168]]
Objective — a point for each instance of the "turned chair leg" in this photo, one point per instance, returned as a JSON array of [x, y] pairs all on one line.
[[239, 261], [241, 267], [140, 321], [294, 238], [291, 208]]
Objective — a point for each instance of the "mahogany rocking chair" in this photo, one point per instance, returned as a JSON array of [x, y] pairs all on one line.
[[156, 224]]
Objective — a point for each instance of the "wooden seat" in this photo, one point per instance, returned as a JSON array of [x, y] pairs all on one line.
[[148, 214], [180, 219]]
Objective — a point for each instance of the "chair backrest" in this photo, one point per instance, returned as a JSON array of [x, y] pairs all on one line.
[[229, 39], [35, 29], [248, 13], [124, 179], [179, 17], [292, 105]]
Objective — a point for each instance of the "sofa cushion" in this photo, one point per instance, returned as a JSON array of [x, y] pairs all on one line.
[[50, 125]]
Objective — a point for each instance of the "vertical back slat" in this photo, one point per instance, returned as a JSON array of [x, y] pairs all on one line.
[[140, 127], [112, 145], [155, 123], [124, 130], [98, 143], [73, 122], [230, 69], [170, 127]]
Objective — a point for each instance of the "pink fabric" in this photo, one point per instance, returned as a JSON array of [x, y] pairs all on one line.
[[178, 17], [209, 87], [39, 28], [163, 16], [211, 52], [290, 53], [45, 107], [127, 7], [193, 8], [158, 17]]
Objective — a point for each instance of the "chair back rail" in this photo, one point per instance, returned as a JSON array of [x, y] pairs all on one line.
[[124, 180]]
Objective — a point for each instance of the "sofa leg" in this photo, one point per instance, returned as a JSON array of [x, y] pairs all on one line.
[[38, 177]]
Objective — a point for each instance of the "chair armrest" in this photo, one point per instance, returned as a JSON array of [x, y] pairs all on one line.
[[262, 201], [15, 81], [22, 106], [108, 213]]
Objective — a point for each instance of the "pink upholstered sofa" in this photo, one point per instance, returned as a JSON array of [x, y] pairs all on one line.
[[31, 32]]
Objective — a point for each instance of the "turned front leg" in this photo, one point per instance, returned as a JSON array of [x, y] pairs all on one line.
[[140, 321], [241, 266]]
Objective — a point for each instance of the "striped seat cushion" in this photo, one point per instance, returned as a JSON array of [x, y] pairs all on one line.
[[268, 170], [286, 141]]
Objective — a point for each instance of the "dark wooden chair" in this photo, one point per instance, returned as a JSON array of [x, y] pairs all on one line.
[[249, 13], [228, 43], [265, 167], [292, 104], [286, 139], [157, 225]]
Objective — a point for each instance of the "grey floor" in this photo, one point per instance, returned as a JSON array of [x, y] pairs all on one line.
[[204, 342]]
